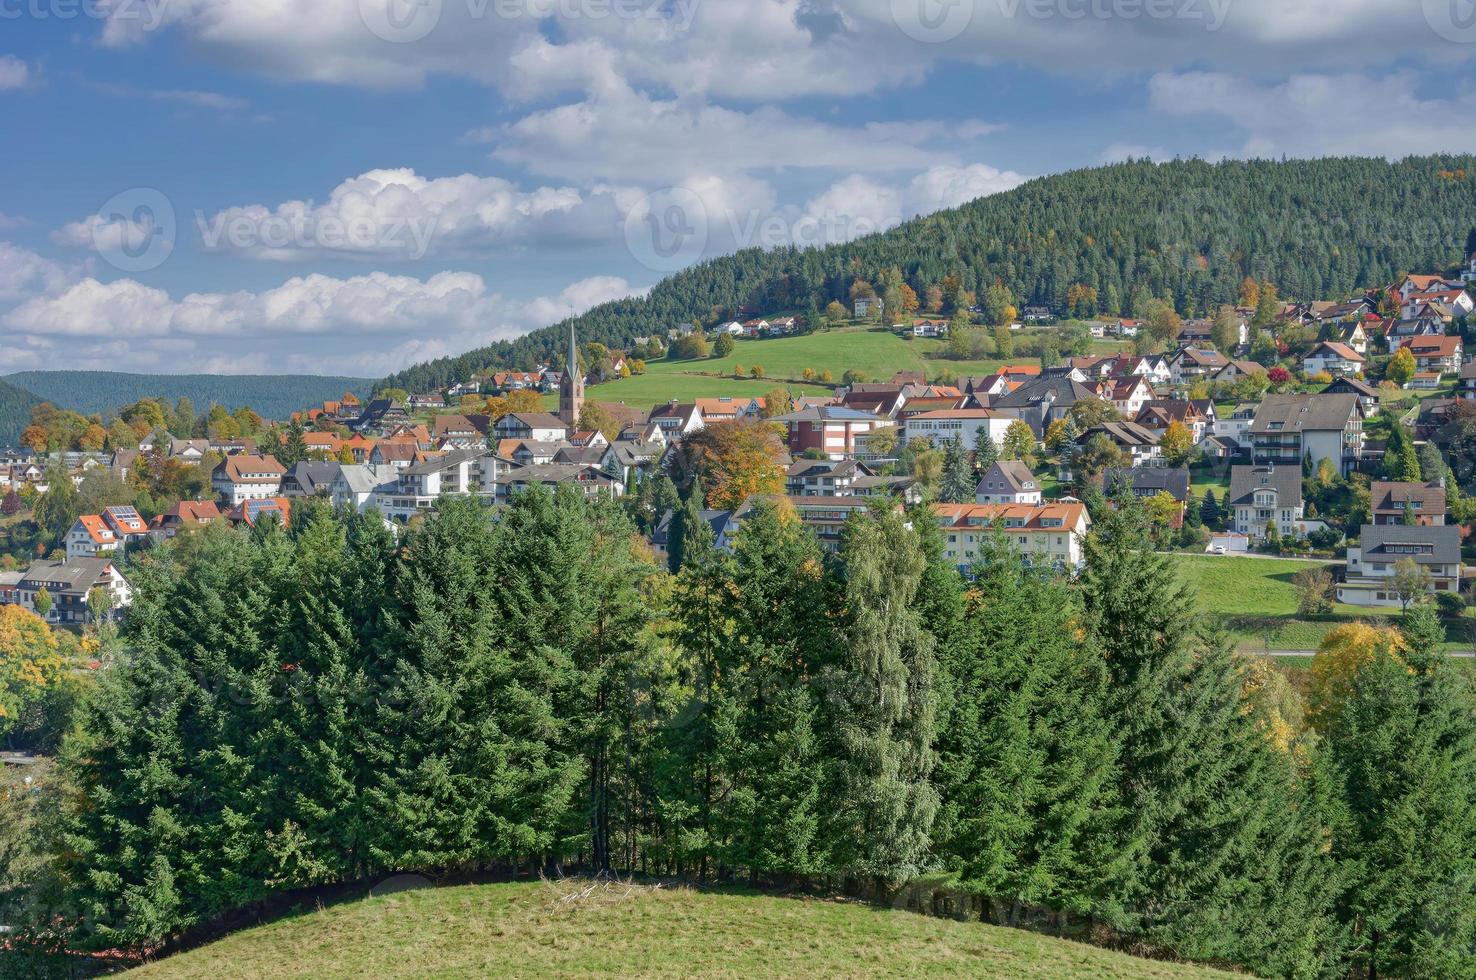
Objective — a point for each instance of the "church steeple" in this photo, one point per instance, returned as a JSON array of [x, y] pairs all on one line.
[[571, 388]]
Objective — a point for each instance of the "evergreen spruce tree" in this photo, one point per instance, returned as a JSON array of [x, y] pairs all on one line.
[[684, 523], [1202, 790], [1209, 510], [986, 450], [1406, 752], [770, 819], [957, 483], [881, 706], [1025, 757]]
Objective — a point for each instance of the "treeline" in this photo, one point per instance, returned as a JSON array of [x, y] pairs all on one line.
[[323, 704], [275, 396], [16, 405], [1098, 241]]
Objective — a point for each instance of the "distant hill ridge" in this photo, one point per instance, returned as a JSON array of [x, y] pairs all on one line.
[[273, 396], [1187, 229]]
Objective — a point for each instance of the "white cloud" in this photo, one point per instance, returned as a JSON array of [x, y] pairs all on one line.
[[396, 213], [1323, 115], [109, 235], [23, 273], [14, 73], [312, 323], [859, 205], [622, 134]]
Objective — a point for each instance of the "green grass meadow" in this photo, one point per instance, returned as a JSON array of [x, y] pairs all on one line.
[[567, 929]]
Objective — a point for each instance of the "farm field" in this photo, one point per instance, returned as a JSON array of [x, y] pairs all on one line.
[[527, 930]]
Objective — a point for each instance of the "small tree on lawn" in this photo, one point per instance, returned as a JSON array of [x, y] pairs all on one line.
[[1411, 581], [1209, 509], [43, 603], [1314, 591]]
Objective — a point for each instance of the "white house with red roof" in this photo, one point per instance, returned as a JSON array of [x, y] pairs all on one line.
[[90, 537], [1336, 358], [1441, 354]]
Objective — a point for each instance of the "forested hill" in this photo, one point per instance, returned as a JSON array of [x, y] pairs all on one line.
[[1189, 230], [273, 396], [15, 412]]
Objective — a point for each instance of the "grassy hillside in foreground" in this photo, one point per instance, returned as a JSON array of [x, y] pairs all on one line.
[[273, 396], [556, 930]]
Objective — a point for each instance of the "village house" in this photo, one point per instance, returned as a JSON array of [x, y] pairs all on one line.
[[1189, 363], [944, 425], [353, 487], [1455, 300], [1404, 331], [1442, 354], [1262, 495], [728, 409], [1334, 358], [590, 478], [825, 516], [1373, 565], [309, 478], [1007, 481], [1468, 381], [1157, 415], [928, 327], [417, 488], [828, 430], [722, 522], [1137, 444], [1234, 370], [182, 516], [69, 582], [1145, 482], [1414, 503], [90, 537], [1368, 395], [538, 426], [676, 420], [825, 477], [247, 477], [1049, 535], [1289, 429], [1043, 401], [1128, 395]]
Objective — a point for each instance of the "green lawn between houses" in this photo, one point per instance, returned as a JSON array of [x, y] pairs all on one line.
[[537, 930], [1257, 599]]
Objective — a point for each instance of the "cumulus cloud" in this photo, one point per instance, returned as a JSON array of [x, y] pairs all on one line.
[[356, 325], [641, 138], [23, 273], [1317, 115], [396, 213], [115, 234]]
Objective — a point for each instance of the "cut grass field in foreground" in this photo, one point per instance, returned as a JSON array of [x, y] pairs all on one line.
[[529, 930]]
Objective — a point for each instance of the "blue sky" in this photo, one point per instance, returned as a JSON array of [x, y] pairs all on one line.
[[349, 186]]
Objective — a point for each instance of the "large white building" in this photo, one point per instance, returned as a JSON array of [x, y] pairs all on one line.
[[1047, 534]]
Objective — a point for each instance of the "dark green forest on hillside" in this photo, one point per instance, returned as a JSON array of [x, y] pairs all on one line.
[[274, 396], [1187, 230], [15, 412]]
